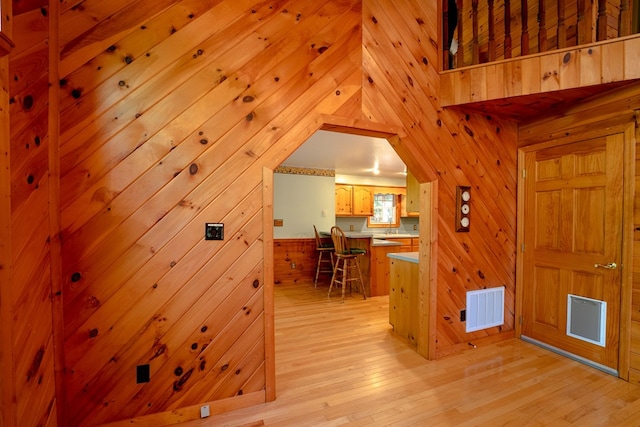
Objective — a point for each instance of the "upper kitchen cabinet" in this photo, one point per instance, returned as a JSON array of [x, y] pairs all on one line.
[[362, 201], [412, 201], [354, 200], [344, 200]]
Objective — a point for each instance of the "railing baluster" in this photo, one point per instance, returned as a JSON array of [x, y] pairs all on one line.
[[602, 20], [542, 27], [475, 46], [507, 28], [524, 42], [447, 35], [562, 30], [492, 37], [586, 27], [460, 53], [625, 19]]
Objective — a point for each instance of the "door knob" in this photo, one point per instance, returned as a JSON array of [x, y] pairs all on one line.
[[610, 266]]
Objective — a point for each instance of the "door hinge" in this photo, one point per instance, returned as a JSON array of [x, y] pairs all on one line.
[[524, 173]]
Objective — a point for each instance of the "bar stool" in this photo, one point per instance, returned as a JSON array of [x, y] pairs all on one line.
[[346, 261], [322, 248]]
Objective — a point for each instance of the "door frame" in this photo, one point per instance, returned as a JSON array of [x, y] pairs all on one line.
[[601, 129], [427, 258]]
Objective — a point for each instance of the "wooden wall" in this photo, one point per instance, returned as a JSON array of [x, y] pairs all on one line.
[[401, 87], [169, 111], [301, 253], [33, 338]]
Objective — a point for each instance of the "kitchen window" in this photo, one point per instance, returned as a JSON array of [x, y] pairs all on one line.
[[385, 211]]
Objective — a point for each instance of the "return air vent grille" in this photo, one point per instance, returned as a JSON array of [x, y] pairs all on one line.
[[485, 308], [587, 319]]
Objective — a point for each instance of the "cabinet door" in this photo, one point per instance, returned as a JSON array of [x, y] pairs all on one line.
[[344, 197], [362, 201], [413, 194]]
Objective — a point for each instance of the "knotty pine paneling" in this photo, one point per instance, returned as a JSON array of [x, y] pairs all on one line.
[[451, 147], [167, 120], [169, 111], [32, 330], [303, 253]]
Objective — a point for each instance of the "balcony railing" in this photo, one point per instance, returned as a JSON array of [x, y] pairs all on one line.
[[481, 31]]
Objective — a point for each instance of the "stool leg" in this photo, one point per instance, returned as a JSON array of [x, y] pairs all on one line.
[[315, 282], [345, 275], [364, 292], [333, 276]]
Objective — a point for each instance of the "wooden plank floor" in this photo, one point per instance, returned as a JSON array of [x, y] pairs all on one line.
[[340, 364]]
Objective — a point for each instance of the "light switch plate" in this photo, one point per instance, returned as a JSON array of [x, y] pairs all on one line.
[[213, 231]]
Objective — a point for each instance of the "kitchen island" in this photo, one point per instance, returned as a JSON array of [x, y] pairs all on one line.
[[375, 264]]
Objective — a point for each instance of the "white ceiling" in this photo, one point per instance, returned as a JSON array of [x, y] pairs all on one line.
[[348, 155]]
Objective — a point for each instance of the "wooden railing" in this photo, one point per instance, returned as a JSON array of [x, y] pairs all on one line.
[[480, 31]]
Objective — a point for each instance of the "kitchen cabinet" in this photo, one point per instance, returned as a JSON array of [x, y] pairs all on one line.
[[413, 195], [404, 313], [380, 272], [362, 201], [344, 200], [354, 200]]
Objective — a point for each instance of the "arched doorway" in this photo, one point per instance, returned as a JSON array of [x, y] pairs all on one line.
[[427, 244]]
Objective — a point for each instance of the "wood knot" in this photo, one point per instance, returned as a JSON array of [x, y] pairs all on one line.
[[193, 169], [27, 102], [322, 49], [256, 283], [248, 98], [93, 333], [566, 58]]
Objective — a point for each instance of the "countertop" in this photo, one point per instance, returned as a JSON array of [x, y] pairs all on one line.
[[405, 256], [381, 242], [382, 236]]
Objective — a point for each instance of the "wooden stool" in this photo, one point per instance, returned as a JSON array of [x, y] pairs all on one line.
[[323, 248], [346, 261]]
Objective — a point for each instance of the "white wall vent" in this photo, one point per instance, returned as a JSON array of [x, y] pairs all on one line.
[[485, 308], [587, 319]]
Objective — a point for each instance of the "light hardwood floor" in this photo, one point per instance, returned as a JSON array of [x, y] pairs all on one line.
[[340, 364]]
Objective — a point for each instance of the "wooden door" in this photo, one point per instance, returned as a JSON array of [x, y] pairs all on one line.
[[573, 230]]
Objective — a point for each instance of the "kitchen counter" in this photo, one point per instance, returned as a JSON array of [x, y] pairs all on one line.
[[381, 242], [405, 256]]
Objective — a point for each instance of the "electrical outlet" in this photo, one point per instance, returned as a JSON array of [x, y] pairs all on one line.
[[143, 374], [205, 411], [351, 227], [415, 227], [463, 315], [293, 265]]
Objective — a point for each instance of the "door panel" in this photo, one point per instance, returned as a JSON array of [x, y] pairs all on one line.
[[573, 207]]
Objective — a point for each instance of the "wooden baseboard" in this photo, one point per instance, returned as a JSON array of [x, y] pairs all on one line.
[[457, 348], [191, 413]]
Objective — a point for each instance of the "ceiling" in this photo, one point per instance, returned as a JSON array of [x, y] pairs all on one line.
[[348, 154]]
